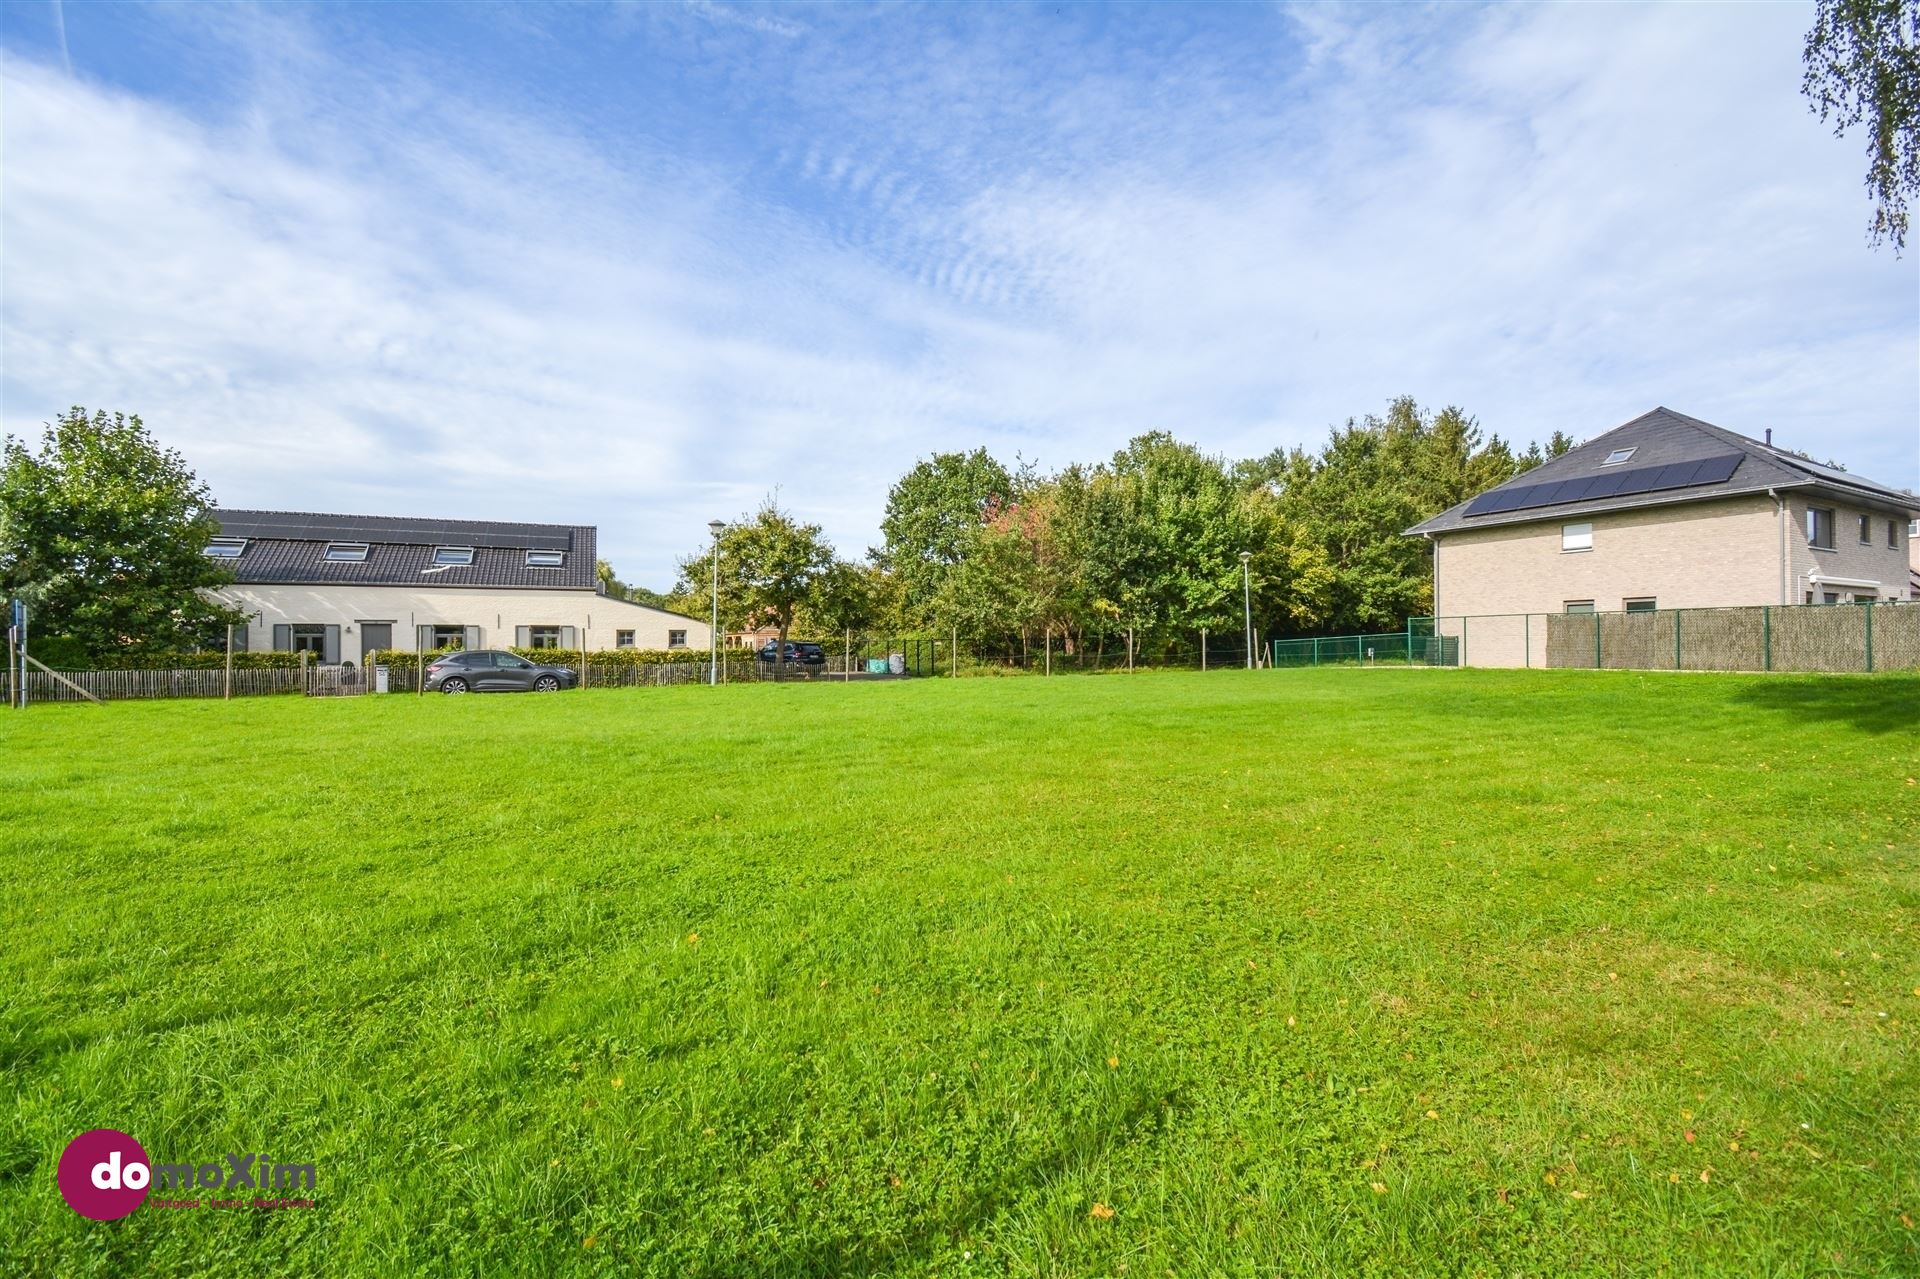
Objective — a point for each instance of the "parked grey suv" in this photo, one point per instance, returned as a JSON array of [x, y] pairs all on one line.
[[487, 670]]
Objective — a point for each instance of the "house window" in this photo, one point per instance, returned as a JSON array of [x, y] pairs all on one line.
[[623, 639], [453, 555], [1641, 605], [1576, 537], [676, 639], [546, 559], [307, 639], [1579, 606], [1618, 456], [1893, 535], [449, 637], [1866, 530], [346, 552], [543, 637], [227, 548], [1820, 527]]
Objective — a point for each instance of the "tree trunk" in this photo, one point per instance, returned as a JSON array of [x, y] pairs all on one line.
[[780, 654]]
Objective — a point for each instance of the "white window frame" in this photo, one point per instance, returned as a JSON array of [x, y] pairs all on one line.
[[315, 638], [534, 636], [1619, 457], [1579, 608], [546, 559], [1571, 536], [1631, 603], [344, 552], [433, 634], [683, 639], [225, 548], [453, 556]]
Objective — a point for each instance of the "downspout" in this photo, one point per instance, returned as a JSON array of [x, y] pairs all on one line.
[[1433, 546], [1780, 518]]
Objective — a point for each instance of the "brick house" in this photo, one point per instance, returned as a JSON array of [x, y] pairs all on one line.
[[1666, 512]]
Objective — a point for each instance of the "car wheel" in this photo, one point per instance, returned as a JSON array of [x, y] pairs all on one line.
[[454, 685], [546, 684]]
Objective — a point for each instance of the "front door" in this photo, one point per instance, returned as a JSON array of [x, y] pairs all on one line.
[[375, 637]]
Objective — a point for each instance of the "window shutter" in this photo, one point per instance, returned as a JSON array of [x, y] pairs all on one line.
[[523, 637], [473, 638], [422, 638], [330, 653], [282, 637], [569, 637]]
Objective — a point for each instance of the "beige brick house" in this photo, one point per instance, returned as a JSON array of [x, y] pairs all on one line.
[[1669, 512]]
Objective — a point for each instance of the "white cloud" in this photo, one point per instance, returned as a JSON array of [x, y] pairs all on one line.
[[363, 289]]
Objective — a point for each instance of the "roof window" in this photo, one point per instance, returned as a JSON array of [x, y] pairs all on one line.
[[453, 555], [225, 548], [1618, 456], [546, 559], [346, 552]]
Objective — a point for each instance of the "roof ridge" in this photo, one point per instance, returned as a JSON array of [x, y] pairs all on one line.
[[418, 519]]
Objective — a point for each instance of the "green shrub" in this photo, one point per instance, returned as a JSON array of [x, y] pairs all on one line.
[[210, 661]]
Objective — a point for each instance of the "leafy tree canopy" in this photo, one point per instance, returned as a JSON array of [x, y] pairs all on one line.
[[104, 534], [1862, 66], [931, 513]]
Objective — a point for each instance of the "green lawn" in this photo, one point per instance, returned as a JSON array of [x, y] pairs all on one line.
[[1344, 972]]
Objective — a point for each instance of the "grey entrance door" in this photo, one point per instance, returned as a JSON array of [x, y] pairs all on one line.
[[374, 637]]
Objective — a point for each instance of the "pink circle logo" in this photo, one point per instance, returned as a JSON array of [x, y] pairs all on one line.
[[104, 1174]]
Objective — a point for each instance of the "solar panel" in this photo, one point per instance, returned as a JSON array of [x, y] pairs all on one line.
[[1717, 470], [394, 530], [1614, 483]]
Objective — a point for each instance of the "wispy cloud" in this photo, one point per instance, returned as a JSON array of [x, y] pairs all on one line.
[[640, 269]]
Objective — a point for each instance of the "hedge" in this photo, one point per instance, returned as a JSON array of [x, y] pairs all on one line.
[[612, 657]]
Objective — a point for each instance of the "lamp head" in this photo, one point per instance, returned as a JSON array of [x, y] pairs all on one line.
[[1245, 556], [714, 527]]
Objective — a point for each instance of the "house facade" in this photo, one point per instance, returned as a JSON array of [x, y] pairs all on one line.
[[1669, 512], [344, 586]]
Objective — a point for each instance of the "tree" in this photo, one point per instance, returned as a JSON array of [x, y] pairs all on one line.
[[931, 512], [1862, 62], [1346, 509], [614, 588], [769, 565], [846, 597], [104, 534]]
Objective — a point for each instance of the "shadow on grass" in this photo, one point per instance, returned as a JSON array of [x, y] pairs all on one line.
[[1877, 704]]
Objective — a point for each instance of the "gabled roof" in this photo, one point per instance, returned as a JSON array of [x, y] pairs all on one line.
[[289, 547], [1674, 458]]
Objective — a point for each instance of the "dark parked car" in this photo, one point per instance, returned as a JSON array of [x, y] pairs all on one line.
[[489, 671], [797, 654]]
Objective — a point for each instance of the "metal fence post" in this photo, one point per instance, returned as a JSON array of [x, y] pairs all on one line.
[[1463, 643], [1676, 637], [1869, 610], [1316, 650], [1596, 641], [1766, 637], [1526, 640]]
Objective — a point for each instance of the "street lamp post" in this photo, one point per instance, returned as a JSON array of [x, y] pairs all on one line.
[[713, 631], [1246, 601]]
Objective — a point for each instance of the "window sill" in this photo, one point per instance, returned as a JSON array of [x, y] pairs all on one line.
[[1576, 550]]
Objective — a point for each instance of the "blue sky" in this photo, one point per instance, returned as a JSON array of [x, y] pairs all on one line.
[[639, 265]]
